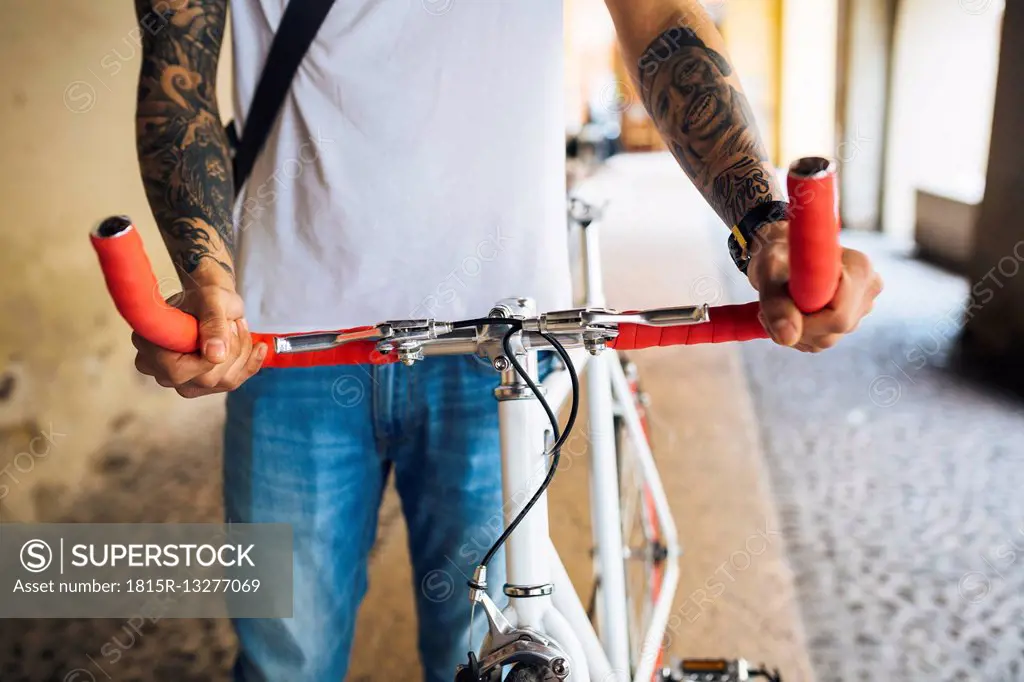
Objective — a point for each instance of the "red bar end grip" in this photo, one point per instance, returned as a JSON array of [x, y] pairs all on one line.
[[136, 293], [814, 251]]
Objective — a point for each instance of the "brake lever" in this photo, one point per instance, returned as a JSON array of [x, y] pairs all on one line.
[[657, 317], [600, 320], [301, 343], [388, 336]]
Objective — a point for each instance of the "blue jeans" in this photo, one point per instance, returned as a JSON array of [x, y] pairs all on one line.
[[313, 447]]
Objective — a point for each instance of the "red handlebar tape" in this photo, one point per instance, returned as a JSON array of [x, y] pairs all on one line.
[[728, 323], [136, 293], [814, 276], [814, 251], [352, 353]]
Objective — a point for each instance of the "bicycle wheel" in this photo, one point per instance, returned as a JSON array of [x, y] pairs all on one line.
[[644, 552]]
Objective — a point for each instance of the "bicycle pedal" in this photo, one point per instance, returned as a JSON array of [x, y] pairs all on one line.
[[720, 670]]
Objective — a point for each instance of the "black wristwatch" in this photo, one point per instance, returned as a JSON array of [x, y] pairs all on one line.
[[744, 231]]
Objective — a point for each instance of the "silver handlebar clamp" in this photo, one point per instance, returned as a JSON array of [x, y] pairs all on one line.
[[408, 336]]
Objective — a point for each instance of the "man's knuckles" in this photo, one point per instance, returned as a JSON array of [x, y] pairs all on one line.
[[842, 321], [210, 380]]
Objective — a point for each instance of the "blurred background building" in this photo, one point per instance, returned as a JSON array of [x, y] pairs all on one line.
[[892, 465]]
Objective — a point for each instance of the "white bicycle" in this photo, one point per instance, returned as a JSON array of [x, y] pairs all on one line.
[[545, 632]]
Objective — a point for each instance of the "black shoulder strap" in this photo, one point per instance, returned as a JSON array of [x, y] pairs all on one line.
[[301, 21]]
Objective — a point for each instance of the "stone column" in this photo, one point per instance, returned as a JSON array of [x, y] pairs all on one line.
[[993, 338], [865, 57]]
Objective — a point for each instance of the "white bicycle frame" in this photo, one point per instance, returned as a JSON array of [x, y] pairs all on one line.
[[533, 566]]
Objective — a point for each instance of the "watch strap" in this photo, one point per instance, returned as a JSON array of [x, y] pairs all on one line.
[[745, 230]]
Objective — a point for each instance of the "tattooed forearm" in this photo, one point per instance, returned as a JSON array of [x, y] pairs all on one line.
[[706, 122], [183, 150]]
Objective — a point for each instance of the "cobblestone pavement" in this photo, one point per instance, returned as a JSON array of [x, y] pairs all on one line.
[[899, 487]]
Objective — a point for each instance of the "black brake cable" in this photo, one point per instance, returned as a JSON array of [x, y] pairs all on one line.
[[559, 438], [555, 452], [480, 321]]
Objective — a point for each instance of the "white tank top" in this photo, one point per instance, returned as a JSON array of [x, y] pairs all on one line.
[[417, 169]]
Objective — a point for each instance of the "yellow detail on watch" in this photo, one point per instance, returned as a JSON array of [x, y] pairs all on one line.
[[739, 239]]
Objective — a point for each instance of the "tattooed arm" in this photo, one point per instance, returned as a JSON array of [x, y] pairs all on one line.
[[694, 97], [186, 170], [182, 147]]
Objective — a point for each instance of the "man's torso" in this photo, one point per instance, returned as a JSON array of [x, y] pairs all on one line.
[[417, 168]]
